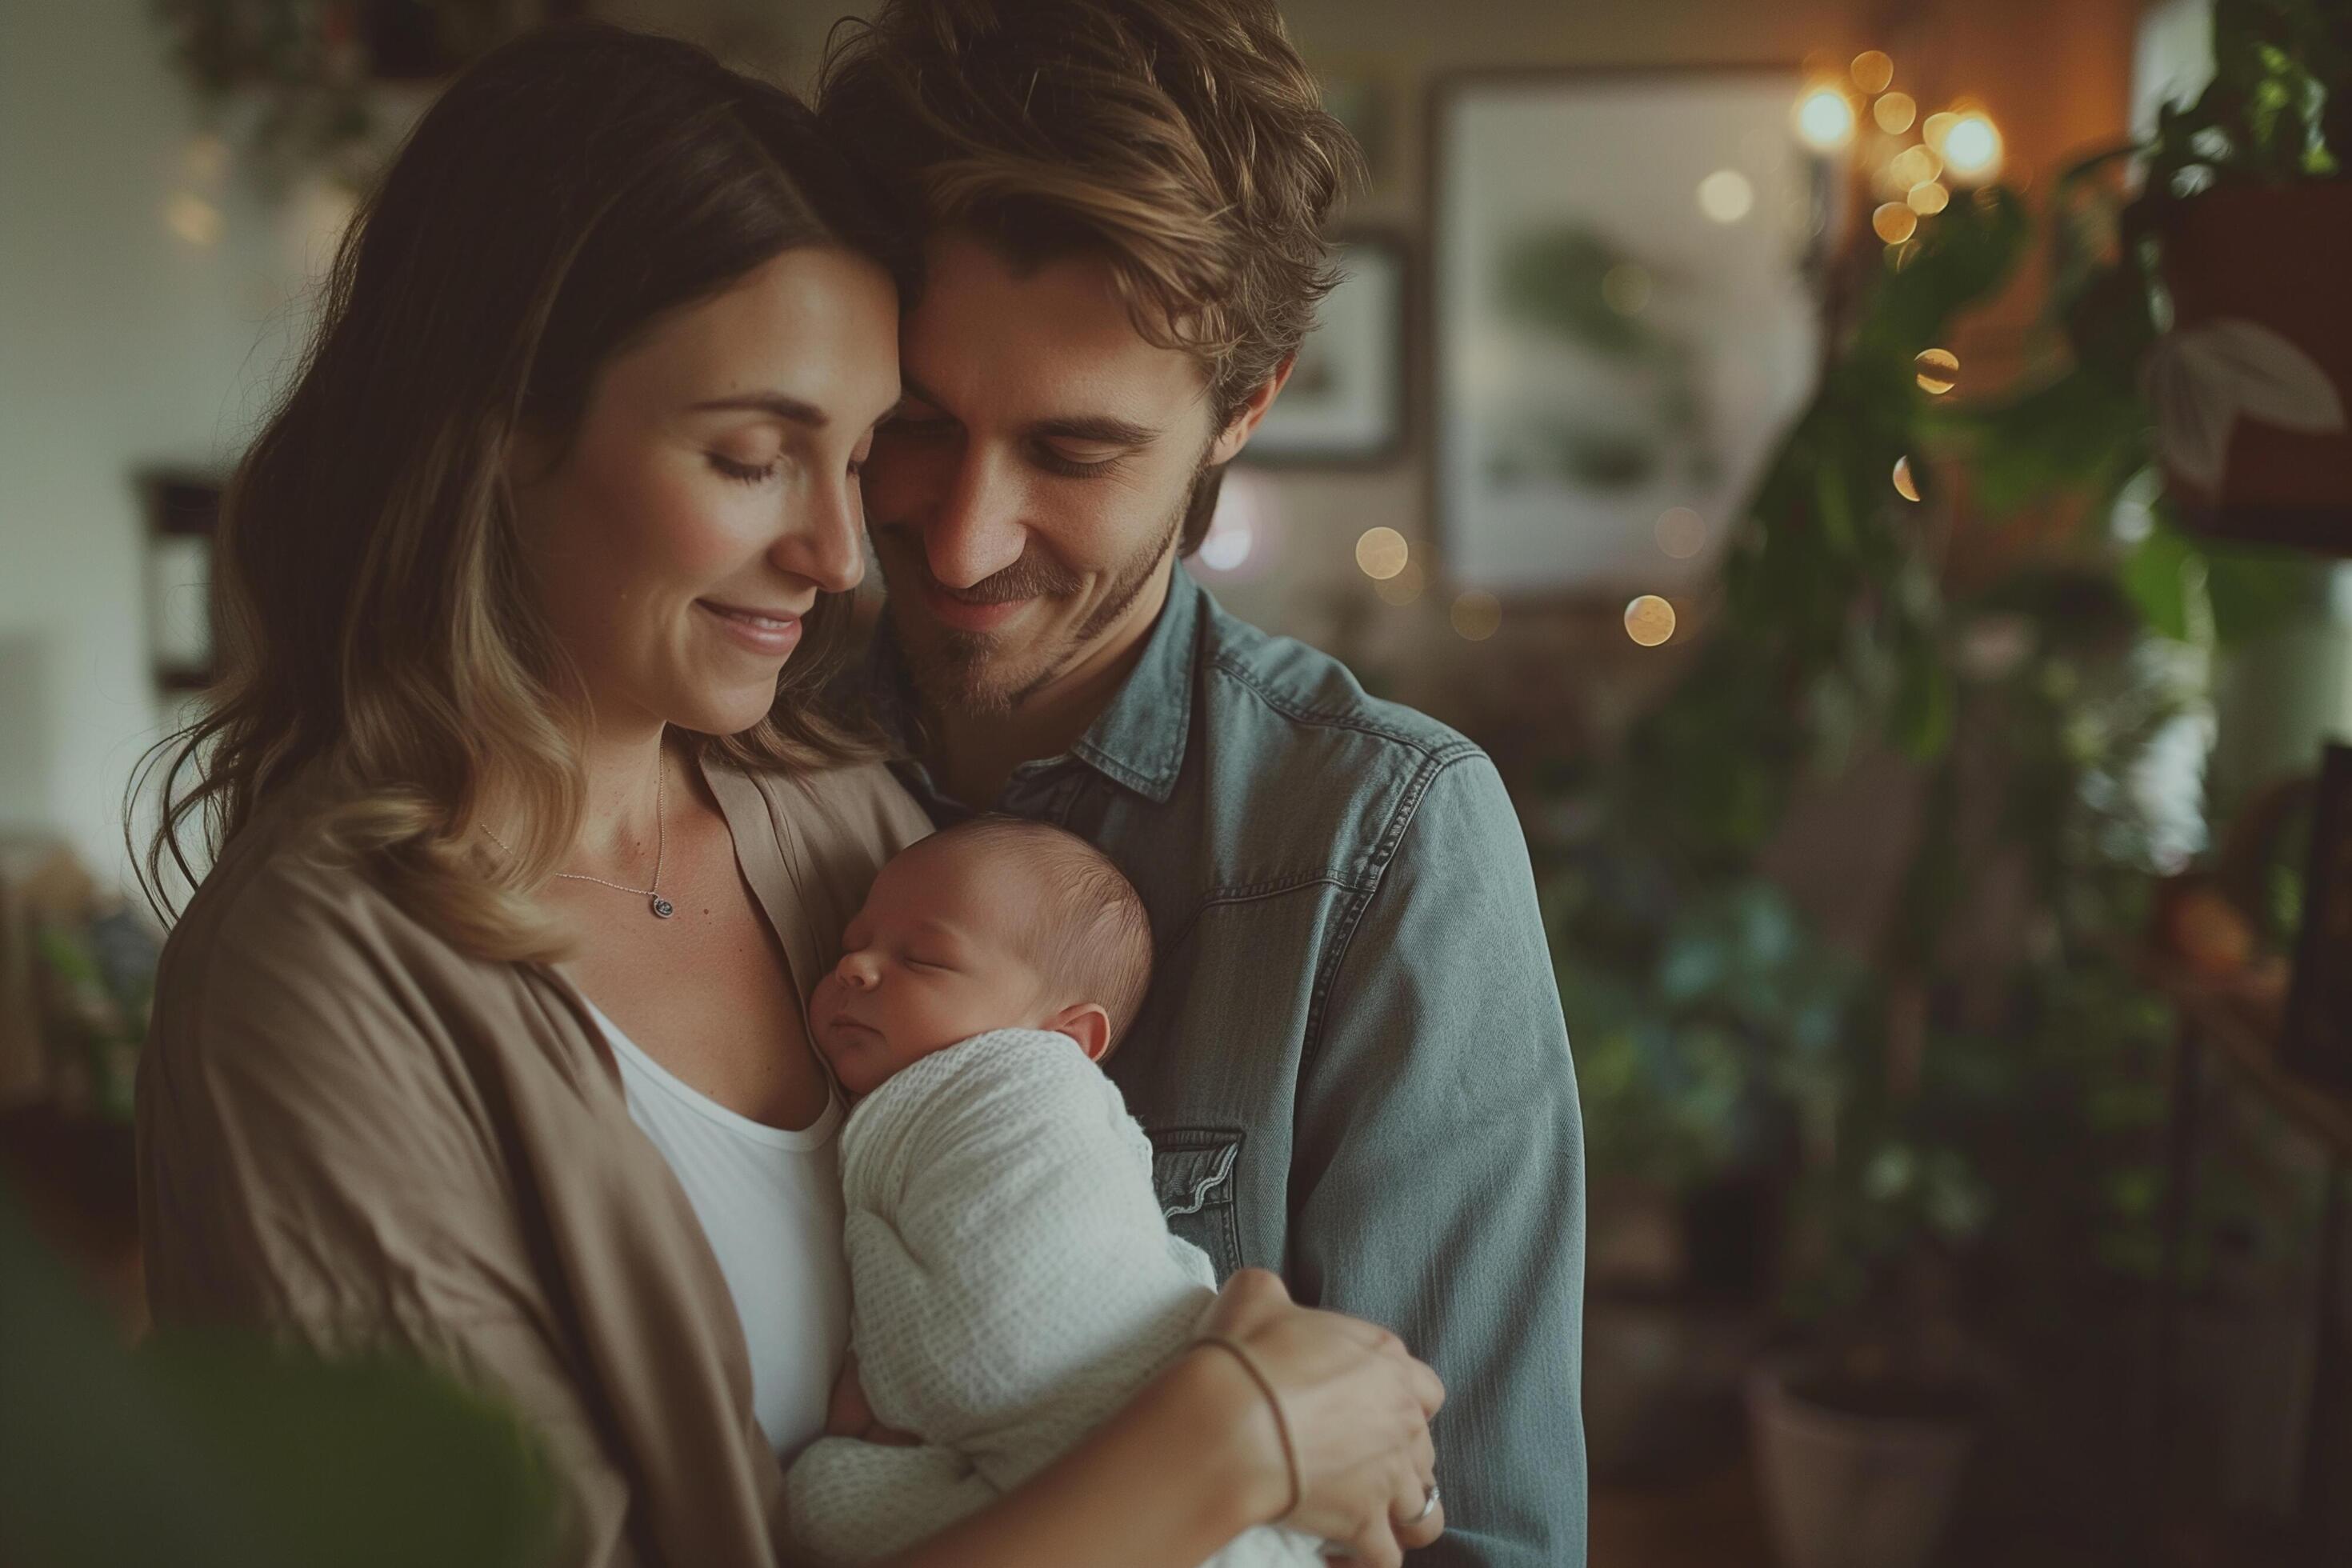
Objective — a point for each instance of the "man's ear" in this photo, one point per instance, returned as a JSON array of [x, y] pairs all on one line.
[[1236, 433], [1088, 1025]]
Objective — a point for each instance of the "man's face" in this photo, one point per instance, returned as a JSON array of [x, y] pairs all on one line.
[[1029, 493]]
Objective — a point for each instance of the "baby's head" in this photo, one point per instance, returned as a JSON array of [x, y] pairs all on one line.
[[995, 923]]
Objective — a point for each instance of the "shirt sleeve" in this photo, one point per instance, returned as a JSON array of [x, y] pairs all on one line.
[[309, 1170], [1437, 1185]]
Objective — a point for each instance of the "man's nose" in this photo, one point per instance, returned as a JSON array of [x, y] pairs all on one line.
[[976, 530]]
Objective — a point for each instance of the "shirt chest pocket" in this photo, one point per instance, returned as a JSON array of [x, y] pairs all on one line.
[[1193, 1175]]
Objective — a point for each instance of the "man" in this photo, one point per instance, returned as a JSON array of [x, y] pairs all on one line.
[[1352, 1064]]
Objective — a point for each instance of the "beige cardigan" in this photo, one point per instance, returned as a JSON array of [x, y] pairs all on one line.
[[351, 1133]]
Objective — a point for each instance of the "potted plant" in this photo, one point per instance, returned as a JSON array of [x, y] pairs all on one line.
[[2246, 215]]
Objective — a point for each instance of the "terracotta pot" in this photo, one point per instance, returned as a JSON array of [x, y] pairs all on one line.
[[2274, 256], [1845, 1490]]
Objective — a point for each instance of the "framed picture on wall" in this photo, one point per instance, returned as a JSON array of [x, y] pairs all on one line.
[[1622, 320], [182, 515], [1345, 400]]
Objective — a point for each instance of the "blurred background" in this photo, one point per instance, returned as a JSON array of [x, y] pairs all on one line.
[[1872, 474]]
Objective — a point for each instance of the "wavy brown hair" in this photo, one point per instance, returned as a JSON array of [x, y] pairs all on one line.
[[380, 635], [1183, 141]]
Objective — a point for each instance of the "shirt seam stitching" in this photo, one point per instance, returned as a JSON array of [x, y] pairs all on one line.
[[1340, 718], [1310, 1048]]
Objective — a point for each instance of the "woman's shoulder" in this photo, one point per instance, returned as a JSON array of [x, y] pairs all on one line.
[[285, 927]]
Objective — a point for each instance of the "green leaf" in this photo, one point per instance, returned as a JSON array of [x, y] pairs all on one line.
[[2160, 576]]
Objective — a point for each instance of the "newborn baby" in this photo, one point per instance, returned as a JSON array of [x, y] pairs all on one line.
[[1012, 1280]]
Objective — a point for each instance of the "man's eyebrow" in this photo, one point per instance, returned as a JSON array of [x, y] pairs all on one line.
[[775, 403], [1097, 429]]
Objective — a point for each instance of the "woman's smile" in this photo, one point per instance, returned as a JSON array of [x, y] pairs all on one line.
[[774, 633]]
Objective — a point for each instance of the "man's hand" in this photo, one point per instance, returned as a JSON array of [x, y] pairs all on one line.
[[847, 1414]]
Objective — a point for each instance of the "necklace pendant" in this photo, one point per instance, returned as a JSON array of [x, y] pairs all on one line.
[[663, 907]]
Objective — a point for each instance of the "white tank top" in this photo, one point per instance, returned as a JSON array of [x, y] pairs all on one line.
[[770, 1201]]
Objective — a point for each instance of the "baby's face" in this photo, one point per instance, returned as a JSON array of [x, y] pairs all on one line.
[[933, 958]]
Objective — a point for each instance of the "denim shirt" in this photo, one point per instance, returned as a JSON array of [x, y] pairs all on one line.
[[1352, 1063]]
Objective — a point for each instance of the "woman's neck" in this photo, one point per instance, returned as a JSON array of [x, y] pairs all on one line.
[[620, 816]]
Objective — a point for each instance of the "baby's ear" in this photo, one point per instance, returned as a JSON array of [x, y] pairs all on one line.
[[1088, 1025]]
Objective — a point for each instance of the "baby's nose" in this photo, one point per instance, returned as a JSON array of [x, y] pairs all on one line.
[[857, 970]]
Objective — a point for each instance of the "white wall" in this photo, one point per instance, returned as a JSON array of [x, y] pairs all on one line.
[[123, 347]]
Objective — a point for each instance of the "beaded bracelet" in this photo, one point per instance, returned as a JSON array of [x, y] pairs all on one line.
[[1274, 1405]]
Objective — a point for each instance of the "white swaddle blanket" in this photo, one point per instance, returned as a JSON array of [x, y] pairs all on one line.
[[1012, 1283]]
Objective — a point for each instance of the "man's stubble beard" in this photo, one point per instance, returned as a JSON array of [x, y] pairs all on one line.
[[963, 672]]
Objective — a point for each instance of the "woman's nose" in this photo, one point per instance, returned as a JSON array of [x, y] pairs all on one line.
[[826, 544]]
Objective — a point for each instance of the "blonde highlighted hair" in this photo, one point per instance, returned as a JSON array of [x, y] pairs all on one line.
[[380, 639]]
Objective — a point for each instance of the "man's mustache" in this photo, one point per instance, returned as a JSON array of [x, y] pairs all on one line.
[[1034, 576]]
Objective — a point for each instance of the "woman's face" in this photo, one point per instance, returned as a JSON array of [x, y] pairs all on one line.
[[711, 491]]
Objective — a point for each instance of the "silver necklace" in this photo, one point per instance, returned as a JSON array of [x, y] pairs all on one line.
[[662, 908]]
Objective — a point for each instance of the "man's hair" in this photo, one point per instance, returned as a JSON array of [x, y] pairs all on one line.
[[1182, 141], [1092, 937]]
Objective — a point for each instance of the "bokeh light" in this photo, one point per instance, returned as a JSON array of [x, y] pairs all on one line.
[[1905, 485], [1382, 553], [1681, 533], [1626, 288], [1939, 371], [1873, 70], [1927, 199], [1726, 196], [193, 219], [1403, 588], [1894, 112], [1971, 148], [1895, 223], [1650, 620], [1915, 166], [1477, 614], [1825, 119]]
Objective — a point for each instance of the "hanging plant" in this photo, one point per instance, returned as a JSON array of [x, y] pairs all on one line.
[[306, 71]]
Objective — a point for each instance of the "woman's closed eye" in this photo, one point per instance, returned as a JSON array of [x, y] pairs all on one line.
[[748, 473]]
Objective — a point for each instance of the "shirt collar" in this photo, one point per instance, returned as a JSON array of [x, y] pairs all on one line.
[[1137, 743]]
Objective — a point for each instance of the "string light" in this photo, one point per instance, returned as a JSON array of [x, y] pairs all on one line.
[[1873, 70], [1477, 616], [1895, 223], [1927, 199], [1971, 148], [1650, 621], [1905, 486], [1938, 371], [1825, 119], [1382, 552], [1915, 166], [1894, 112]]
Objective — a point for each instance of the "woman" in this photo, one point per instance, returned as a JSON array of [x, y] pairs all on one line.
[[483, 1034]]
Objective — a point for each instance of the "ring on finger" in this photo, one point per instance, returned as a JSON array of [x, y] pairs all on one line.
[[1428, 1505]]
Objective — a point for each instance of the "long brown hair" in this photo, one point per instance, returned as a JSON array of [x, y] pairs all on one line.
[[378, 629]]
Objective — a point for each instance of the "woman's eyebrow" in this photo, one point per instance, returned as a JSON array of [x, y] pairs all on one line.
[[775, 403]]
